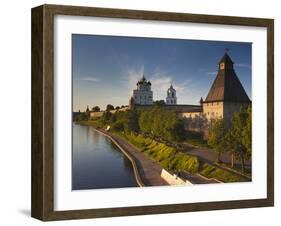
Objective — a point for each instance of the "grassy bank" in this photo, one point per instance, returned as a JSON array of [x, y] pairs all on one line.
[[168, 157], [219, 174], [94, 123]]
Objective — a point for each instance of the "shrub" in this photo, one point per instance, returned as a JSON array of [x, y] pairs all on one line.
[[118, 126]]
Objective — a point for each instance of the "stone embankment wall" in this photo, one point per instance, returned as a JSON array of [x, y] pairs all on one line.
[[173, 179]]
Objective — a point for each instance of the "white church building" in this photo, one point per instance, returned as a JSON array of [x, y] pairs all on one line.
[[143, 95]]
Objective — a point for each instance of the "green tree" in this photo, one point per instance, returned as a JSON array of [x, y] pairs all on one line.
[[145, 121], [240, 135], [109, 107], [96, 109], [217, 138], [247, 132], [81, 117], [162, 123], [113, 118], [106, 116], [159, 103], [178, 131], [118, 126], [131, 123]]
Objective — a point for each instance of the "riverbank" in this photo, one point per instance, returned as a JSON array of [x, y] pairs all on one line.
[[171, 159], [97, 163], [127, 154], [147, 172]]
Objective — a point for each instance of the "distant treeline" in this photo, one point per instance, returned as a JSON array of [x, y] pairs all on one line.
[[156, 122]]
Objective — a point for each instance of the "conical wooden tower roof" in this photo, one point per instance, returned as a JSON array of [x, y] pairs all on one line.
[[227, 86]]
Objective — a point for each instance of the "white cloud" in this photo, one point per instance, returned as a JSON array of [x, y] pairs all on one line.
[[162, 81], [243, 65], [185, 91], [212, 73], [131, 77], [89, 79]]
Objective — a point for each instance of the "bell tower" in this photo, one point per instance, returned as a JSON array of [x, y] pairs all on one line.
[[171, 98]]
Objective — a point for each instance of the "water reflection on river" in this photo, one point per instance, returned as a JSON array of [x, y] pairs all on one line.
[[97, 162]]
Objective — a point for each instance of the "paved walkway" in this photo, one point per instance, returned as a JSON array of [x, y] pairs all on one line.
[[149, 170]]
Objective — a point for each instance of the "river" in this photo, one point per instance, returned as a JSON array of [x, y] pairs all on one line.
[[97, 162]]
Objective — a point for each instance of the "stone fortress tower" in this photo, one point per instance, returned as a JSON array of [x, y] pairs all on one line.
[[171, 98], [227, 94], [143, 95]]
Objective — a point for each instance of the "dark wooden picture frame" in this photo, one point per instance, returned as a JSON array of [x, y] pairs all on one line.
[[42, 203]]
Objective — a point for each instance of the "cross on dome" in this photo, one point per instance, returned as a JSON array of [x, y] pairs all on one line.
[[171, 87]]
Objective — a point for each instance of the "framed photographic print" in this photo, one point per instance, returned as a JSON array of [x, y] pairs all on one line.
[[141, 112]]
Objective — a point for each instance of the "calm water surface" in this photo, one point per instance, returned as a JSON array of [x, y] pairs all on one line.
[[97, 162]]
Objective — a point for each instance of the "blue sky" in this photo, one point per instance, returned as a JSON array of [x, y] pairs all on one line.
[[107, 68]]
